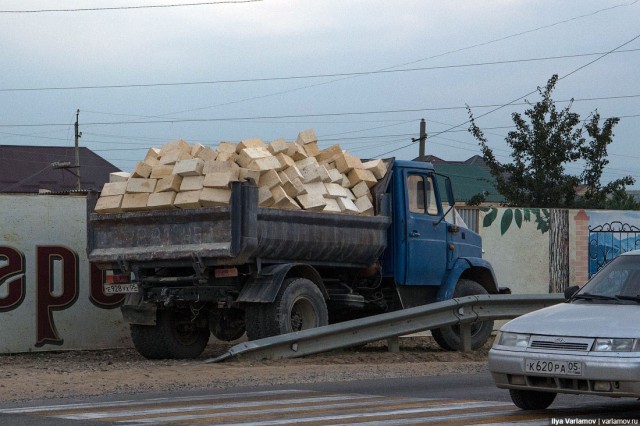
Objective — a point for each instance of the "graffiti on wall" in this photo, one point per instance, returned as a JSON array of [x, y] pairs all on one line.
[[517, 216], [555, 222], [53, 263]]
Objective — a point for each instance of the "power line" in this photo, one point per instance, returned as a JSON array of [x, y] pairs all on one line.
[[141, 141], [407, 63], [330, 114], [152, 6], [17, 184], [363, 130], [527, 94], [553, 24], [396, 66], [302, 77], [609, 170], [351, 121]]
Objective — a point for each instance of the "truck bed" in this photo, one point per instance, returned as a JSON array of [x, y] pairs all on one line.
[[233, 235]]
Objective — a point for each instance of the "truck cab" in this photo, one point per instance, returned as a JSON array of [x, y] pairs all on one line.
[[427, 249]]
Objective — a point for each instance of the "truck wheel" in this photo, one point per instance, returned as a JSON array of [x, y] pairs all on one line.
[[531, 400], [448, 337], [173, 336], [298, 306], [148, 341], [227, 324], [254, 319]]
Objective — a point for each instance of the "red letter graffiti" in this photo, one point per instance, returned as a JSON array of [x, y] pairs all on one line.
[[97, 296], [12, 274], [49, 260]]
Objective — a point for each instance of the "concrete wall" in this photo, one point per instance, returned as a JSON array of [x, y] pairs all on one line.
[[50, 298], [519, 250], [519, 254]]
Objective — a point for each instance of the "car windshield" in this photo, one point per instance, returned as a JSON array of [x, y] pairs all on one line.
[[618, 280]]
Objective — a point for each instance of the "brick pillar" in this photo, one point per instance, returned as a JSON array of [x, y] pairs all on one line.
[[581, 248]]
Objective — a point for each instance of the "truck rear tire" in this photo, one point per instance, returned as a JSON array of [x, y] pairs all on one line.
[[173, 336], [299, 306], [254, 319], [448, 338], [227, 324], [148, 341]]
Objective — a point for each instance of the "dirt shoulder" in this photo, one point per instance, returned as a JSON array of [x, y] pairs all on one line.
[[92, 373]]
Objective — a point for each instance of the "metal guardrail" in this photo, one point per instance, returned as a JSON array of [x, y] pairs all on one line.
[[463, 311]]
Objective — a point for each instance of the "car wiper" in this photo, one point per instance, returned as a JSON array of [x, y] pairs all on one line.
[[591, 296], [634, 298]]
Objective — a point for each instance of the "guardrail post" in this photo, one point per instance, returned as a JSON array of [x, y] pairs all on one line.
[[394, 344], [465, 337]]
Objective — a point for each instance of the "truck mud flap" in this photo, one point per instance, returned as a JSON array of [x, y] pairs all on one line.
[[134, 311]]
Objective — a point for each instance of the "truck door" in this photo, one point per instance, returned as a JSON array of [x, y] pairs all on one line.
[[425, 238]]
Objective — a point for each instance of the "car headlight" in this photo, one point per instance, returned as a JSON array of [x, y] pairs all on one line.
[[616, 345], [517, 340]]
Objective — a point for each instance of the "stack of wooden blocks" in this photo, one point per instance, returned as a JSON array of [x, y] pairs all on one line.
[[290, 175]]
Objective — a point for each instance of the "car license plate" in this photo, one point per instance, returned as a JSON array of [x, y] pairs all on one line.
[[120, 288], [565, 368]]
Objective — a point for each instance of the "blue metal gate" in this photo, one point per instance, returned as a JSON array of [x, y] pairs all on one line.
[[608, 241]]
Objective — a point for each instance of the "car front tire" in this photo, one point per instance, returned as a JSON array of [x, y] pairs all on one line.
[[532, 400]]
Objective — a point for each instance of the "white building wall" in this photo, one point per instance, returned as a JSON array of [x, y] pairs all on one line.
[[61, 316]]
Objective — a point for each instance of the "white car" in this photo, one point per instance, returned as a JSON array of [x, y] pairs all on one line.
[[588, 345]]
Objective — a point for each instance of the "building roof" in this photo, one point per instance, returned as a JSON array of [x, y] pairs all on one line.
[[468, 178], [29, 169]]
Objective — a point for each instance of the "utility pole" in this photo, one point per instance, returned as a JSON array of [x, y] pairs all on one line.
[[78, 135], [423, 139]]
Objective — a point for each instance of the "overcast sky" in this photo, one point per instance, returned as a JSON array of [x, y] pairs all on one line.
[[227, 72]]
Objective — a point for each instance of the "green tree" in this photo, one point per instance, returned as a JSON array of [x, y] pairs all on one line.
[[545, 142], [477, 199], [612, 195]]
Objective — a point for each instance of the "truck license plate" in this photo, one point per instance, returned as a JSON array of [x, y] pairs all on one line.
[[120, 288], [565, 368]]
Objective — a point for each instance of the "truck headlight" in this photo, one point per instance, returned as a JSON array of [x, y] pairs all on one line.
[[517, 340], [616, 345]]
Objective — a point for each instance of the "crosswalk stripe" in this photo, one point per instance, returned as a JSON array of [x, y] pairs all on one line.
[[280, 407], [358, 414], [128, 403], [205, 407]]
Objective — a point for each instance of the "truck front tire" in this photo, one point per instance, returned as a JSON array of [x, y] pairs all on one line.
[[173, 336], [448, 337], [299, 306]]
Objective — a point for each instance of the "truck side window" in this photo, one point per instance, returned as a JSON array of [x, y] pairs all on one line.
[[421, 195]]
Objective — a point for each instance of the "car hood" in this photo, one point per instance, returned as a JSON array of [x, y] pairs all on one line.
[[580, 320]]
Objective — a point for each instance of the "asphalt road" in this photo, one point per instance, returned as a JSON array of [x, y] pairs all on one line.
[[420, 400]]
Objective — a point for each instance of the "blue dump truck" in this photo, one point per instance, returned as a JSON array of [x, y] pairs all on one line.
[[264, 271]]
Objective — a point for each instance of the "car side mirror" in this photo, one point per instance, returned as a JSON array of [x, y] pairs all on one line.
[[570, 291]]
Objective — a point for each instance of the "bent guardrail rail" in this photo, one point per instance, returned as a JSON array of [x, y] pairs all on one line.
[[462, 311]]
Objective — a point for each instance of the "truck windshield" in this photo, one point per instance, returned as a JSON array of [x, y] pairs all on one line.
[[618, 279]]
